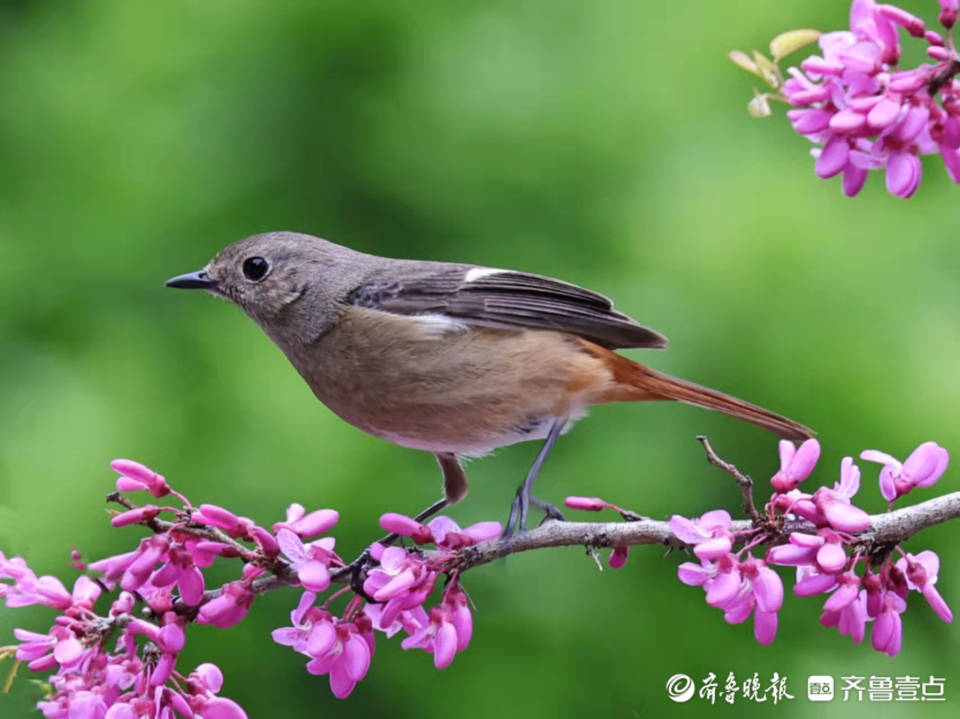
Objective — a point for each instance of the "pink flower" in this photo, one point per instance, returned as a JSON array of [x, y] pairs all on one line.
[[448, 630], [850, 620], [822, 551], [448, 535], [795, 464], [887, 634], [586, 504], [442, 531], [740, 589], [215, 516], [921, 575], [310, 561], [403, 581], [710, 534], [925, 465], [406, 527], [834, 504], [203, 684], [948, 13], [138, 477], [618, 557], [341, 651], [44, 651], [308, 525], [229, 608]]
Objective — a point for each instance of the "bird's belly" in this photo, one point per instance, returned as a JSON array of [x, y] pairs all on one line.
[[472, 443], [469, 392]]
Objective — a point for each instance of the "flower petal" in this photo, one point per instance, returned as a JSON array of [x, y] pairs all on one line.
[[444, 646]]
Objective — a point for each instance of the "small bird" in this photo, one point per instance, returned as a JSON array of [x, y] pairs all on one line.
[[454, 359]]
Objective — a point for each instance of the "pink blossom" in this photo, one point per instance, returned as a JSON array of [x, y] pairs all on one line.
[[618, 557], [887, 634], [335, 647], [61, 646], [710, 534], [925, 465], [403, 580], [921, 575], [406, 527], [215, 516], [310, 561], [308, 525], [138, 477], [948, 13], [342, 652], [448, 535], [586, 504], [442, 531], [850, 620], [740, 589], [448, 630], [835, 505], [795, 464], [229, 608]]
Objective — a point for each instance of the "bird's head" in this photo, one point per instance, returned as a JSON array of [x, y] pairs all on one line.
[[286, 281]]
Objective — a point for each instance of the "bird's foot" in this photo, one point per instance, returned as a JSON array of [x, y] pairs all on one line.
[[520, 508]]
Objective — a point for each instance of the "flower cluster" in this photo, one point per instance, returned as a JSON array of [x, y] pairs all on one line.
[[865, 112], [405, 579], [94, 682], [736, 582], [828, 559], [161, 588]]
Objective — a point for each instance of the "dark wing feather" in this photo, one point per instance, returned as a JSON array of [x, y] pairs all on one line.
[[505, 299]]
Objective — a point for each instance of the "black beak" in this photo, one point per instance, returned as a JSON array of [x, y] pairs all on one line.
[[192, 281]]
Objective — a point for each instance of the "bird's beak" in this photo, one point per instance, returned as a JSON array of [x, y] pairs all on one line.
[[199, 280]]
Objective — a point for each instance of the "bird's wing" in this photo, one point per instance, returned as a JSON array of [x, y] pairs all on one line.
[[504, 298]]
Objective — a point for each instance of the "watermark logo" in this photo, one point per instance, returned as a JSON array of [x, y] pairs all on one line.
[[820, 688], [680, 688], [715, 689]]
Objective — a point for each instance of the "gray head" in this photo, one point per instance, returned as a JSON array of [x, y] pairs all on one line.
[[289, 283]]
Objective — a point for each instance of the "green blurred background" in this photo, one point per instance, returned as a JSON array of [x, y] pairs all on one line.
[[606, 143]]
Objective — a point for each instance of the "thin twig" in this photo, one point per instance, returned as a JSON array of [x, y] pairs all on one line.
[[743, 480]]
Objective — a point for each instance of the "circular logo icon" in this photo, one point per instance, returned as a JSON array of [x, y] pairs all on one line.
[[680, 688]]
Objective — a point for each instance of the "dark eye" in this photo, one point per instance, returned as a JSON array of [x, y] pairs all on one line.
[[254, 268]]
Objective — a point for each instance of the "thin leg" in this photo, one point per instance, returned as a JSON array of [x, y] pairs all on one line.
[[521, 503], [432, 510]]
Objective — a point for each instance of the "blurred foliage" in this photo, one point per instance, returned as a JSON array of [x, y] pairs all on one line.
[[606, 143]]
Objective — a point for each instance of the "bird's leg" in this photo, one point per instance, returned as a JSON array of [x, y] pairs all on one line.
[[521, 502]]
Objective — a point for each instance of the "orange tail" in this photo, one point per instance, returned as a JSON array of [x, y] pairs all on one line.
[[634, 382]]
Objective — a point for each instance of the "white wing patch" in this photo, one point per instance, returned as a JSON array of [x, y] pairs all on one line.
[[480, 272], [437, 326]]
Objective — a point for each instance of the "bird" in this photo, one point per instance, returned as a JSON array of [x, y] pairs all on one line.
[[453, 359]]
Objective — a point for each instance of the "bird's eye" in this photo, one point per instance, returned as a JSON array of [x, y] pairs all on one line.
[[255, 268]]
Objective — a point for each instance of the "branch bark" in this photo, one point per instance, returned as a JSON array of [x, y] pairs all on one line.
[[886, 528]]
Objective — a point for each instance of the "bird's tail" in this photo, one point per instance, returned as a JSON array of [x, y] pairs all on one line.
[[634, 382]]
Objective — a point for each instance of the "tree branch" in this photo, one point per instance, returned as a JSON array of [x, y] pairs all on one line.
[[886, 528]]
